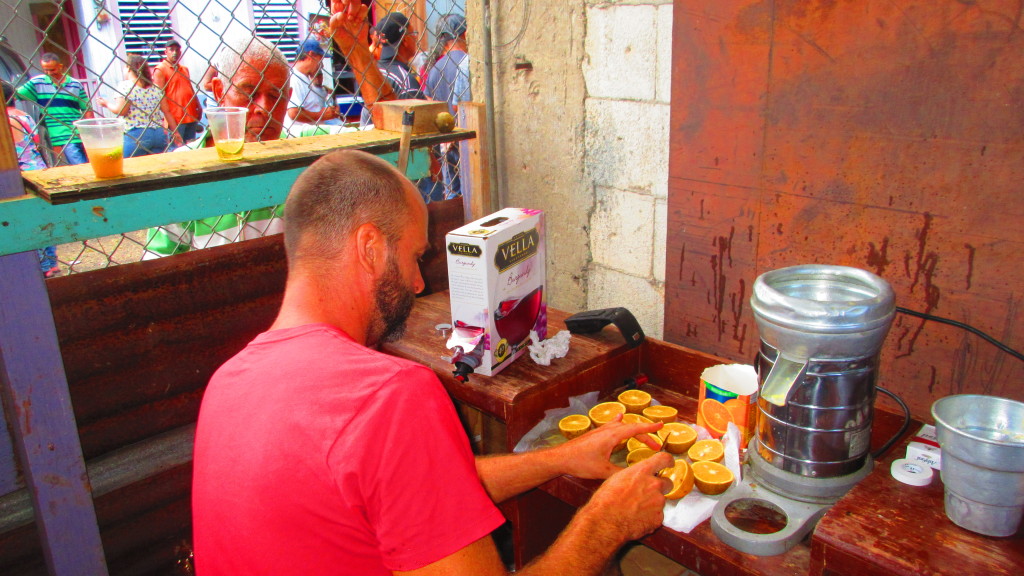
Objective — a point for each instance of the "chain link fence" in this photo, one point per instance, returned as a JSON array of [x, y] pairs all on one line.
[[68, 59]]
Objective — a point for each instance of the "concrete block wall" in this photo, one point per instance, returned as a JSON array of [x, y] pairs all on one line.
[[627, 69], [582, 113]]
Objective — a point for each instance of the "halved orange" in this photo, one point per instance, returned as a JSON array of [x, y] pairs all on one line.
[[639, 454], [634, 419], [682, 479], [573, 425], [605, 412], [631, 419], [711, 477], [635, 400], [714, 416], [661, 413], [706, 450], [635, 443], [678, 437]]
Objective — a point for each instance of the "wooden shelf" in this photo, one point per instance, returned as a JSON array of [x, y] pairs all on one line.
[[158, 171]]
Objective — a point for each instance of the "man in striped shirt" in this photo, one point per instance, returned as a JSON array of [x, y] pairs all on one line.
[[63, 100]]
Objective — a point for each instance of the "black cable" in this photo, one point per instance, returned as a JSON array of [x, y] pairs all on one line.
[[970, 329], [903, 429]]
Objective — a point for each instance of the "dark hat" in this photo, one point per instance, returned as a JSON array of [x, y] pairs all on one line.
[[393, 27], [311, 45], [450, 26]]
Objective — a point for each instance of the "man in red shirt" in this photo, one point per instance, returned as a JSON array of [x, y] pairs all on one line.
[[177, 85], [317, 454]]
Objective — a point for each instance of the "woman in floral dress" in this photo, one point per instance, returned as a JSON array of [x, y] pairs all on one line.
[[144, 109]]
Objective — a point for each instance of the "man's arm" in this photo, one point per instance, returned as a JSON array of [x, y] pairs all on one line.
[[300, 114], [300, 91], [348, 22], [26, 92], [626, 507], [588, 456], [159, 78]]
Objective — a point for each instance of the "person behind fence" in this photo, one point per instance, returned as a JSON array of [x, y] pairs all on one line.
[[251, 73], [398, 48], [341, 459], [64, 101], [448, 80], [308, 108], [26, 147], [176, 82], [145, 110], [387, 79]]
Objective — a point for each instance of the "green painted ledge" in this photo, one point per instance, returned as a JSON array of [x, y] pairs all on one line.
[[29, 222]]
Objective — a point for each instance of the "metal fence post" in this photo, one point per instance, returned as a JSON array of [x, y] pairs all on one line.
[[37, 405]]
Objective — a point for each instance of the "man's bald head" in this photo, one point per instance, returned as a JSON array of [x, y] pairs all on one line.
[[338, 193]]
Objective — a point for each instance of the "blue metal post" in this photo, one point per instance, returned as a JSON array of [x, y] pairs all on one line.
[[37, 405]]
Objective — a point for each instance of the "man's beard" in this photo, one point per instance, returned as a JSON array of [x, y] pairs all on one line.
[[394, 301]]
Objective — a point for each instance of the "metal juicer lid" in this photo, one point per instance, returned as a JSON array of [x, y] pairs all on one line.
[[823, 298]]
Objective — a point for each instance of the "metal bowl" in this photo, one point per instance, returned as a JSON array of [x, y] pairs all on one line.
[[986, 431]]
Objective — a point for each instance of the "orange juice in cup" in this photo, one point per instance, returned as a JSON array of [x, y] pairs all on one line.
[[103, 139], [227, 124], [106, 162], [230, 149]]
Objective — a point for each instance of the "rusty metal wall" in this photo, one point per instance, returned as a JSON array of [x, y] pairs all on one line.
[[883, 135]]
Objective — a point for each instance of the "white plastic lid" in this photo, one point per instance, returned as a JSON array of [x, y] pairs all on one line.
[[912, 473]]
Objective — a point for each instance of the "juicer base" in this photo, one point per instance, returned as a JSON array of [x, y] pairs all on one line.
[[801, 518], [802, 500]]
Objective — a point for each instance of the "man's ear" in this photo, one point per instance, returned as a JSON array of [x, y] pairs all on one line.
[[217, 87], [371, 249]]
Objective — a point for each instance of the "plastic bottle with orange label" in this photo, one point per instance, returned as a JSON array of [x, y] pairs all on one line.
[[728, 393]]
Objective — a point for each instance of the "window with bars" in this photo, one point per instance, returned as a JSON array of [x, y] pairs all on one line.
[[147, 27], [275, 20]]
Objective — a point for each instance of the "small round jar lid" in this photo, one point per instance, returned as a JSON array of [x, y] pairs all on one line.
[[912, 473]]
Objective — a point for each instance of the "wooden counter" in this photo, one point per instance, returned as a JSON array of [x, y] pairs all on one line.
[[880, 527], [885, 527], [518, 395]]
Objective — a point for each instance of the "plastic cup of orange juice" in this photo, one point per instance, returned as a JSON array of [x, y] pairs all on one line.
[[227, 124], [103, 139]]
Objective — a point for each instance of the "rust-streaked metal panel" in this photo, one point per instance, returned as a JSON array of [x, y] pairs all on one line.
[[884, 136]]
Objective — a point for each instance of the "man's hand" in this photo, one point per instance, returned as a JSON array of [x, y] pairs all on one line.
[[630, 504], [348, 25], [589, 456], [329, 113]]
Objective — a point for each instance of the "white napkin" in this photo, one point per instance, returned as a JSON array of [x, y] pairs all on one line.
[[546, 433], [543, 351], [688, 512]]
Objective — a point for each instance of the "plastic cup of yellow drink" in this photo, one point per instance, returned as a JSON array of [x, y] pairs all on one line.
[[103, 139], [227, 125]]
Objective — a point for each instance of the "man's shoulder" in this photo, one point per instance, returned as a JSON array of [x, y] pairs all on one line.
[[37, 80], [456, 56]]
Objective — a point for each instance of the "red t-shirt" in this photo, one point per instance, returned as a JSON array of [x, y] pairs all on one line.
[[180, 95], [316, 455]]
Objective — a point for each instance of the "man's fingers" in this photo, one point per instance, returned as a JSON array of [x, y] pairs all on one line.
[[624, 431], [666, 485], [650, 442], [654, 464]]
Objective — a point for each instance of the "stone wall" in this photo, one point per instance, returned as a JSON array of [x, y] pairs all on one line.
[[581, 113]]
